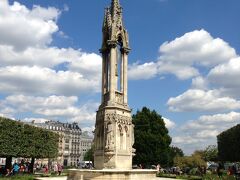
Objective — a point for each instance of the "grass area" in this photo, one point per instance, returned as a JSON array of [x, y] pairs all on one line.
[[31, 177], [215, 177], [192, 177], [18, 177]]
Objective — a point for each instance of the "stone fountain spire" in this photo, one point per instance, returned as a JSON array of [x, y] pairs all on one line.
[[114, 135], [114, 130]]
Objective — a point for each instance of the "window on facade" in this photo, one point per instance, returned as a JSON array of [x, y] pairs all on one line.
[[66, 147]]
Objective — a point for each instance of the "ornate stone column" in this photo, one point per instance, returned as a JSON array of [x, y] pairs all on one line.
[[125, 72], [122, 73], [112, 74], [103, 75]]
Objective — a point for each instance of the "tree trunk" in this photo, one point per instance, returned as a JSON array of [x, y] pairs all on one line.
[[49, 164], [9, 163], [32, 165]]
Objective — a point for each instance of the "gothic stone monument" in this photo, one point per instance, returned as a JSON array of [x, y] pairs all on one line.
[[114, 136]]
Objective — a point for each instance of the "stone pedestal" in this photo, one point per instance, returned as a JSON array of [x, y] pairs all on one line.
[[105, 174], [113, 139]]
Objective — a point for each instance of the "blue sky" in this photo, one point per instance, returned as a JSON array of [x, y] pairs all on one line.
[[184, 63]]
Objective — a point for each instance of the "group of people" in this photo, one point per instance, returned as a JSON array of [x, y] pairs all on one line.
[[57, 168], [17, 168], [232, 170], [24, 167]]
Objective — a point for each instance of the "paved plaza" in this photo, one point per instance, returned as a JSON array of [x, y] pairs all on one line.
[[52, 178], [65, 178]]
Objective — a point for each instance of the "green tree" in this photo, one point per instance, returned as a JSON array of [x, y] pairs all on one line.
[[228, 144], [89, 155], [151, 139], [21, 140], [193, 161], [199, 153], [211, 153], [175, 152]]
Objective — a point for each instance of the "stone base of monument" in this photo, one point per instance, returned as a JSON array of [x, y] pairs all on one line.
[[112, 174]]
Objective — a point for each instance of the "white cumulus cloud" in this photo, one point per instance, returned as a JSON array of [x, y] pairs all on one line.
[[21, 27], [169, 124], [40, 81], [201, 100], [203, 131], [182, 56], [225, 77], [51, 107], [37, 80]]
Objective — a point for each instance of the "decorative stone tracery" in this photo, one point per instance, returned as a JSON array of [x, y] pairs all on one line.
[[114, 128]]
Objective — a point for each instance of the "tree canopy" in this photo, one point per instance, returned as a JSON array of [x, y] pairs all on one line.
[[210, 153], [195, 160], [175, 151], [228, 144], [89, 155], [152, 142], [22, 140]]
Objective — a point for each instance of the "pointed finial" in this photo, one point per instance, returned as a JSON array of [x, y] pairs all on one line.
[[115, 2], [115, 6]]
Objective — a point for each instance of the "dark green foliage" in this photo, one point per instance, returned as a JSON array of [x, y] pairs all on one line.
[[151, 139], [21, 140], [89, 156], [210, 153], [175, 151], [229, 144], [193, 161]]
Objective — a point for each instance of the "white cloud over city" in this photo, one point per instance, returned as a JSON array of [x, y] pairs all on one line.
[[203, 131], [31, 82], [213, 95], [200, 100], [182, 56]]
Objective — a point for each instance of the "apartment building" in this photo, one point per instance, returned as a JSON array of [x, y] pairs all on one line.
[[73, 143]]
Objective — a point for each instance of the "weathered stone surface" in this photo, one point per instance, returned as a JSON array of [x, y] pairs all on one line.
[[114, 135], [112, 174]]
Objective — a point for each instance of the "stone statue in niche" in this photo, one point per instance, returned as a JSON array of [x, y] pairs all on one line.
[[109, 137]]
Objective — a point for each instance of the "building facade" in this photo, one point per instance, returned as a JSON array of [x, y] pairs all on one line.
[[72, 145], [86, 144]]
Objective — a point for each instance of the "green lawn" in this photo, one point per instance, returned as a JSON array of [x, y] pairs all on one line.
[[19, 177], [192, 177]]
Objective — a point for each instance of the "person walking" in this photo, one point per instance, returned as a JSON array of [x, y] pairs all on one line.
[[15, 168], [55, 168], [59, 169], [220, 170], [158, 167]]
